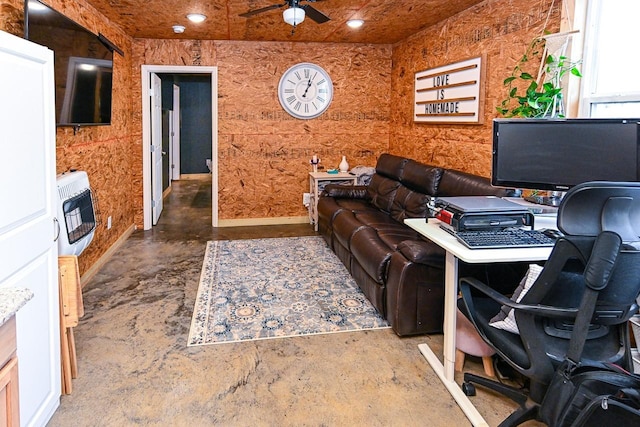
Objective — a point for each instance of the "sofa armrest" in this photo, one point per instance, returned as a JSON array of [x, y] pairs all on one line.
[[346, 191], [422, 252]]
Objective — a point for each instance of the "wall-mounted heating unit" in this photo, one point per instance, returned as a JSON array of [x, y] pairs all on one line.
[[76, 213]]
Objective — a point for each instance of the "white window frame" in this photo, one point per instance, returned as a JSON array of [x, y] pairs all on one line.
[[588, 97]]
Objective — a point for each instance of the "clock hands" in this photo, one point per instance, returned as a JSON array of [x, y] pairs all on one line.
[[304, 95]]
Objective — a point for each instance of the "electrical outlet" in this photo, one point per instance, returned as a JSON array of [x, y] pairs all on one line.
[[109, 223], [306, 199]]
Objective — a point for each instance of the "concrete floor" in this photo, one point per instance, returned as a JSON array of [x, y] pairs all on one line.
[[135, 367]]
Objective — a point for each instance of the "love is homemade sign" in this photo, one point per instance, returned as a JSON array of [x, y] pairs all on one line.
[[450, 93]]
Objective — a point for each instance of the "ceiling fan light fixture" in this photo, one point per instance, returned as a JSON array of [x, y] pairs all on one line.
[[355, 23], [196, 17], [293, 15]]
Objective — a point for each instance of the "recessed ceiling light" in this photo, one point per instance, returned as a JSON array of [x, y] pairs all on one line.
[[178, 29], [355, 23], [196, 17]]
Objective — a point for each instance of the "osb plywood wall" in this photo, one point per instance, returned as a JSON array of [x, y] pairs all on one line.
[[105, 152], [499, 29], [264, 153]]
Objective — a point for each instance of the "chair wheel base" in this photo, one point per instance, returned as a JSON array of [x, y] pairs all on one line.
[[468, 389]]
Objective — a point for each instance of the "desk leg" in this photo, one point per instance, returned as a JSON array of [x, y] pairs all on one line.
[[446, 370], [450, 311]]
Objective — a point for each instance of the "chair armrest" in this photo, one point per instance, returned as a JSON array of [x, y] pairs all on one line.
[[346, 191], [537, 309]]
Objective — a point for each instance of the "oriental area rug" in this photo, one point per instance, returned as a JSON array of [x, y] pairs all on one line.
[[275, 288]]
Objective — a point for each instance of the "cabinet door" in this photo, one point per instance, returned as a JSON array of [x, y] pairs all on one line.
[[9, 394], [28, 251]]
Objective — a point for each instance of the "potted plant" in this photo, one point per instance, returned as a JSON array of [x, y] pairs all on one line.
[[539, 100]]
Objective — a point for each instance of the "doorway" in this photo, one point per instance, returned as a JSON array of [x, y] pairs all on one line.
[[147, 72]]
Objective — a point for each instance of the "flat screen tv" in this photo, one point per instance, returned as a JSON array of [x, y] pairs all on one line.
[[556, 155], [83, 64]]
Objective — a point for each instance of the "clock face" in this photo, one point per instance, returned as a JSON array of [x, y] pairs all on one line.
[[305, 90]]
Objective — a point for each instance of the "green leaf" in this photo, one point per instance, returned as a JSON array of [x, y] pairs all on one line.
[[526, 76], [509, 80], [512, 92], [576, 72], [547, 87], [550, 59], [534, 104]]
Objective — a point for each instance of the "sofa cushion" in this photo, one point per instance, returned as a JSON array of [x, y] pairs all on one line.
[[409, 204], [457, 183], [391, 166], [371, 253], [344, 226], [382, 191], [326, 205], [423, 252], [422, 178]]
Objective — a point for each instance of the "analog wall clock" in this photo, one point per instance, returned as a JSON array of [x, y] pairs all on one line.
[[305, 90]]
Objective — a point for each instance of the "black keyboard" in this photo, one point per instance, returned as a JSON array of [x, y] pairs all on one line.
[[504, 238]]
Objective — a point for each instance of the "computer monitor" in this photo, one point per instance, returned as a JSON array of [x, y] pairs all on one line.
[[557, 154]]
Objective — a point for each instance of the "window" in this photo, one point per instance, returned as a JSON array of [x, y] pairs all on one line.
[[611, 82]]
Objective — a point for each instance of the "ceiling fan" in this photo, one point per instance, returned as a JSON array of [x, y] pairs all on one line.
[[295, 13]]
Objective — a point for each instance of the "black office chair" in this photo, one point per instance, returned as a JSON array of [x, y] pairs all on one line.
[[594, 266]]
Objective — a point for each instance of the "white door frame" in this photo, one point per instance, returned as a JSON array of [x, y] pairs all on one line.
[[146, 134], [174, 144], [156, 152]]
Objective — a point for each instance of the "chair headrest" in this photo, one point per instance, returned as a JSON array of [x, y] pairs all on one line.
[[592, 207]]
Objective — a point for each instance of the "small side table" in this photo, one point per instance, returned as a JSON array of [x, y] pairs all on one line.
[[317, 182]]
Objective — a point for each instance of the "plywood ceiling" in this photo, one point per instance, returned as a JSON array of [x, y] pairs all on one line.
[[386, 21]]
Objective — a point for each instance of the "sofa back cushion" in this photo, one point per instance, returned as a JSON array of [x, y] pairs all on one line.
[[422, 178], [457, 183], [409, 204], [382, 191], [391, 166]]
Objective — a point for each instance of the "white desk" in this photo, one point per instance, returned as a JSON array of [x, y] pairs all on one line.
[[456, 251]]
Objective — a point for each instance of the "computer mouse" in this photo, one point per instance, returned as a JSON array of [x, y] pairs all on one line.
[[551, 232]]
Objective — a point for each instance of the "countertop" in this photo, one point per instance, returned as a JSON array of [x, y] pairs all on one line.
[[11, 300]]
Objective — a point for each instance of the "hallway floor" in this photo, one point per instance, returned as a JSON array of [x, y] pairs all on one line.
[[135, 367]]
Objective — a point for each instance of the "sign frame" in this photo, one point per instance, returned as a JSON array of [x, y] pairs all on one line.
[[450, 93]]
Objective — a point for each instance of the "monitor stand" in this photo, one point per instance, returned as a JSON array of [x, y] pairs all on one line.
[[553, 200]]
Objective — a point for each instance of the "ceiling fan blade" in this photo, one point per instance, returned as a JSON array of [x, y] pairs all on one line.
[[315, 14], [264, 9]]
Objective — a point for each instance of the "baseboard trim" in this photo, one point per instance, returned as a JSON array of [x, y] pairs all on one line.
[[246, 222], [197, 176], [93, 270]]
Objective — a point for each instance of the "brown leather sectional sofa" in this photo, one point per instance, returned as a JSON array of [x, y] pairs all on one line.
[[399, 271]]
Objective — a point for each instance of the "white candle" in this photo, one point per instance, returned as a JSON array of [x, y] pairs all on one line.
[[315, 159]]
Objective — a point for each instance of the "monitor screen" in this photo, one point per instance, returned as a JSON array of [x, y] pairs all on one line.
[[83, 66], [550, 154]]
